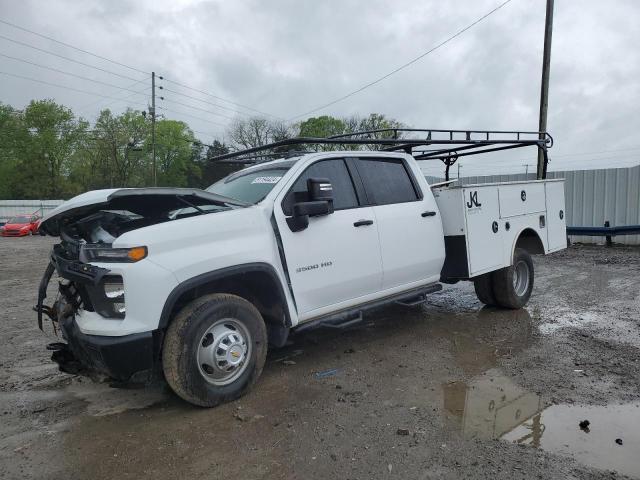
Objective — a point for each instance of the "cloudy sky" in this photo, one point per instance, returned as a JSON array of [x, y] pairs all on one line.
[[287, 57]]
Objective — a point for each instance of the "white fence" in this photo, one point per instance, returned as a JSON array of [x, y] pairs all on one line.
[[9, 208], [592, 197]]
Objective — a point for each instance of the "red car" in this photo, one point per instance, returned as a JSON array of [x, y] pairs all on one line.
[[20, 226]]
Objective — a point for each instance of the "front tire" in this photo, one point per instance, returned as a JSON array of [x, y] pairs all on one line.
[[512, 286], [214, 350]]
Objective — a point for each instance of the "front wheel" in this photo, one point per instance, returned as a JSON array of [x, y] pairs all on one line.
[[214, 350], [512, 286]]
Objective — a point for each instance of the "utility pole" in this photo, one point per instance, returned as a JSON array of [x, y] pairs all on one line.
[[544, 88], [153, 126]]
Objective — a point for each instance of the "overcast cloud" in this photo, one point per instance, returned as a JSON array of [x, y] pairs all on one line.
[[286, 57]]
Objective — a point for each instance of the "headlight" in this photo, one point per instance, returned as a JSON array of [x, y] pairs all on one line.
[[114, 289], [93, 253]]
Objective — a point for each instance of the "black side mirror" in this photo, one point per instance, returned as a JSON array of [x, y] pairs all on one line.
[[320, 195], [312, 209], [303, 210]]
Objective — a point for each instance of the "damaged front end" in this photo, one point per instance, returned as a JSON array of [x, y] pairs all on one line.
[[128, 358], [92, 262]]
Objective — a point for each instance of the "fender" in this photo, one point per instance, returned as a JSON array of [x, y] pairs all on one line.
[[205, 278], [518, 237]]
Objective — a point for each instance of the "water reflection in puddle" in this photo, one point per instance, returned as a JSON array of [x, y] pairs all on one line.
[[493, 406]]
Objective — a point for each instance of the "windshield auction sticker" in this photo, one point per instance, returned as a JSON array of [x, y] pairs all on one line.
[[266, 179]]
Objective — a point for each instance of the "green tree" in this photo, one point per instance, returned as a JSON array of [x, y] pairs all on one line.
[[321, 127], [53, 136], [13, 144], [120, 156], [177, 154]]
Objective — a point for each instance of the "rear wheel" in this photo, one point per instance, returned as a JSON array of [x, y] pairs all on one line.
[[214, 350], [512, 286], [484, 289]]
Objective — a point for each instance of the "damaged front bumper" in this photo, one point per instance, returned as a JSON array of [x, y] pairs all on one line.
[[129, 358], [125, 358]]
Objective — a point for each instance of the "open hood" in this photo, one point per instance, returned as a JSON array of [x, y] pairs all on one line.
[[154, 202]]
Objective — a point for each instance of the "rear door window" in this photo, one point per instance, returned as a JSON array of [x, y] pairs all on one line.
[[387, 181], [335, 170]]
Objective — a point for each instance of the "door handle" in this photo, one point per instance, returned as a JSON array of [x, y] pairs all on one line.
[[429, 213], [362, 223]]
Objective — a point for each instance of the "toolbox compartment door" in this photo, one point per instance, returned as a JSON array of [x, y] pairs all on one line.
[[556, 216], [521, 199], [484, 245]]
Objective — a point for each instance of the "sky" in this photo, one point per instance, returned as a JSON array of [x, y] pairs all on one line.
[[287, 57]]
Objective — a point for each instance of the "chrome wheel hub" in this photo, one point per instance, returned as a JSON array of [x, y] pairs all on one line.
[[224, 351], [521, 278]]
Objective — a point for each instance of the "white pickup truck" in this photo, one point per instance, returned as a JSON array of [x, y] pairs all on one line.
[[194, 284]]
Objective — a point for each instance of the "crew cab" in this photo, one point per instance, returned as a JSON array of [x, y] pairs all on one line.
[[194, 284]]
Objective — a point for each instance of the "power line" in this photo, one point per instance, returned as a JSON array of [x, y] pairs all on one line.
[[84, 107], [402, 67], [192, 116], [204, 101], [196, 108], [117, 63], [108, 104], [70, 74], [73, 46], [64, 86], [66, 58], [221, 98]]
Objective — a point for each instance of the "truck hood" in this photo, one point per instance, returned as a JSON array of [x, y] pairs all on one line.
[[146, 202]]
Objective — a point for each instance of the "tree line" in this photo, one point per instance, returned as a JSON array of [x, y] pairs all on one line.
[[46, 151]]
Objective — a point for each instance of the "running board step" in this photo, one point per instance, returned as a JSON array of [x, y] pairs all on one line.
[[336, 323], [351, 317], [412, 302], [346, 323], [420, 297]]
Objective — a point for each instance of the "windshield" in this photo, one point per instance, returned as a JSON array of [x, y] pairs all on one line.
[[19, 220], [250, 186]]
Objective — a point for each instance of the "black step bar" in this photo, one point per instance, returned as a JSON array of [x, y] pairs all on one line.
[[353, 316]]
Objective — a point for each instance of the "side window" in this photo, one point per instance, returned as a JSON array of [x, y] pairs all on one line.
[[344, 194], [386, 181]]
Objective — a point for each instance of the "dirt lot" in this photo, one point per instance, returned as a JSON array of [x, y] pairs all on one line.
[[446, 390]]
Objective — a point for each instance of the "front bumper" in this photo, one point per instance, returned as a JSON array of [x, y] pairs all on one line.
[[13, 233], [126, 358]]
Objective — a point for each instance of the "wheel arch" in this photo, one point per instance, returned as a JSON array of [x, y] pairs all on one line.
[[528, 239], [257, 283]]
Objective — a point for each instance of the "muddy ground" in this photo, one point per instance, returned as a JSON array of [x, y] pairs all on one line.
[[445, 390]]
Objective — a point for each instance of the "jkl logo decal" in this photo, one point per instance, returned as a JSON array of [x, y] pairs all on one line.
[[473, 200]]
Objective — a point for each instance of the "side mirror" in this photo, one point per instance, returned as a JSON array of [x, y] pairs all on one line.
[[312, 209], [303, 210]]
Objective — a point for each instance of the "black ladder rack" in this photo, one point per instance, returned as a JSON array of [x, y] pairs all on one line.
[[453, 144]]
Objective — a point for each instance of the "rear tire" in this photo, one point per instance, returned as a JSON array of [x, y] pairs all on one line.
[[512, 286], [484, 289], [214, 350]]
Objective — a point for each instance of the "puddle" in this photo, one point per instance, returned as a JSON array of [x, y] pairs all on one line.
[[556, 430], [493, 406]]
